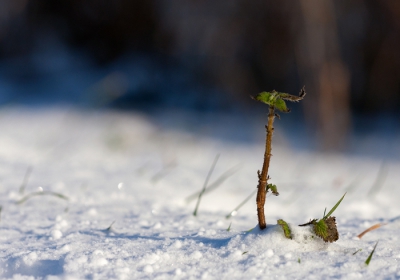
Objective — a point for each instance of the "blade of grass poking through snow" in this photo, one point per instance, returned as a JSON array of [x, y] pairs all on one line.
[[370, 255], [357, 251], [110, 227], [353, 185], [216, 183], [379, 181], [370, 229], [296, 194], [25, 180], [205, 185], [164, 171], [334, 208], [234, 211], [25, 198], [229, 228]]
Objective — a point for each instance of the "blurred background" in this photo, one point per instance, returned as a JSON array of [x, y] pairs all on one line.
[[208, 56]]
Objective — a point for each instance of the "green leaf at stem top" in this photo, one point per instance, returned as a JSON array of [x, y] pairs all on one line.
[[276, 99]]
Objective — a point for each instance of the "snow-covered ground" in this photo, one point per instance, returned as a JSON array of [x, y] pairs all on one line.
[[127, 178]]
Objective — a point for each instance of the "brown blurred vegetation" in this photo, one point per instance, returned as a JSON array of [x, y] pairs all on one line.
[[345, 52]]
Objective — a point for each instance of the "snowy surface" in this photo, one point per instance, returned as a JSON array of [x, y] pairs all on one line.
[[133, 173]]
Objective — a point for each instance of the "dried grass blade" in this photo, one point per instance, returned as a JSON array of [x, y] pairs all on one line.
[[370, 229], [205, 185]]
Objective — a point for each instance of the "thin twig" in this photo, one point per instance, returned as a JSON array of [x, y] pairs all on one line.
[[28, 196], [205, 184], [216, 183], [234, 211]]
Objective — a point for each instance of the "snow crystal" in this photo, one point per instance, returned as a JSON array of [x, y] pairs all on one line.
[[288, 256], [196, 255], [92, 212], [30, 259], [148, 269], [56, 234], [177, 244], [269, 253], [99, 262]]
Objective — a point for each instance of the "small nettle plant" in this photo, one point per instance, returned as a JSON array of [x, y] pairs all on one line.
[[325, 227]]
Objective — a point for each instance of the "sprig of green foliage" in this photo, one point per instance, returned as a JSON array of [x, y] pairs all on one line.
[[273, 189], [277, 99], [326, 228]]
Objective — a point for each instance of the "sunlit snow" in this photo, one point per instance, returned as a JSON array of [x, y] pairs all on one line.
[[111, 195]]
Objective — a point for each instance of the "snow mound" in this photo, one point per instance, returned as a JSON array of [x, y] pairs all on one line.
[[273, 238]]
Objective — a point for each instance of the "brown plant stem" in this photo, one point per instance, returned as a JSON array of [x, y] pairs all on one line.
[[263, 176]]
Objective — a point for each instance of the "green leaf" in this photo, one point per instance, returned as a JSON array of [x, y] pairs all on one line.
[[281, 105], [334, 208], [273, 189], [267, 97], [321, 229], [276, 99], [333, 234], [370, 255], [286, 229]]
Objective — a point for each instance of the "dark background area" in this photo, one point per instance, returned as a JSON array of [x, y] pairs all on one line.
[[208, 56]]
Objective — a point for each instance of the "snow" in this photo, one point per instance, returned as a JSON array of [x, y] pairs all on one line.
[[127, 177]]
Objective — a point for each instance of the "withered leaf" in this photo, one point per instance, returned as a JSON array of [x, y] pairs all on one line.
[[332, 232]]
